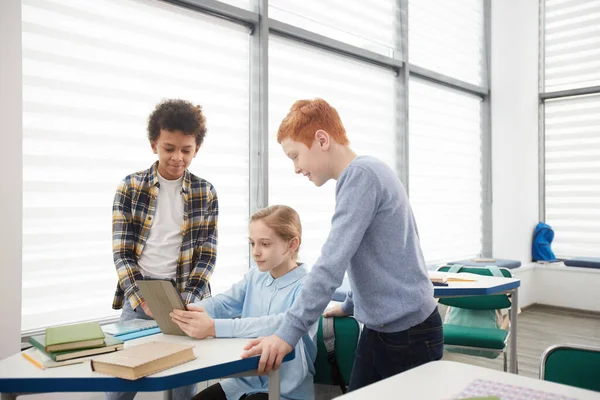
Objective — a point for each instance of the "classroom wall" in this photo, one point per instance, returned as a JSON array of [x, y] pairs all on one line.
[[514, 113], [11, 167]]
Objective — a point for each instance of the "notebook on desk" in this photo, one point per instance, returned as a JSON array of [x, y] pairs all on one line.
[[138, 334], [76, 336], [41, 360], [126, 327], [110, 344]]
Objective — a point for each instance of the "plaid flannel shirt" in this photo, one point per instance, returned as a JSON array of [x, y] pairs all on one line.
[[133, 212]]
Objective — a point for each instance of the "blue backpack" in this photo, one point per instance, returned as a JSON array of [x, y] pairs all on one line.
[[542, 239]]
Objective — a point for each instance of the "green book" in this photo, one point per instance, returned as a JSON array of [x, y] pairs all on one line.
[[111, 344], [71, 337]]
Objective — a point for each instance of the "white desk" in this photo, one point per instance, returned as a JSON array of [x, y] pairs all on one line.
[[446, 379], [483, 286], [216, 358]]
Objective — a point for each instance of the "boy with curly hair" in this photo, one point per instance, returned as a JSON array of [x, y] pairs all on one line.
[[165, 218]]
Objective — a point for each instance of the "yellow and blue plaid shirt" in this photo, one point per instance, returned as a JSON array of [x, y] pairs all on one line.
[[133, 212]]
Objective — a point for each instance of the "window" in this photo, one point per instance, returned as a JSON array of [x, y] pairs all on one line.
[[363, 96], [572, 44], [352, 21], [448, 37], [571, 96], [572, 142], [92, 73], [445, 170], [93, 70]]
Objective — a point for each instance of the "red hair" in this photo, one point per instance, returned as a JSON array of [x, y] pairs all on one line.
[[308, 116]]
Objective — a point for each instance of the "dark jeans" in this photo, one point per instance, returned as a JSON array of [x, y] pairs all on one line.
[[215, 392], [380, 355]]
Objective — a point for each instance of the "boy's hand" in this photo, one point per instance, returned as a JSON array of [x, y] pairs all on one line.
[[272, 350], [146, 309], [334, 311], [195, 323]]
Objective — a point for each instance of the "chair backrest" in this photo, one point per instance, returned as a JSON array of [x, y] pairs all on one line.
[[491, 302], [347, 331], [572, 365]]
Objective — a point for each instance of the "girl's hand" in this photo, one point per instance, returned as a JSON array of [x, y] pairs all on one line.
[[195, 323], [334, 311]]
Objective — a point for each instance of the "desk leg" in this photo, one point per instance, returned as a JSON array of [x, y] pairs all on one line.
[[274, 385], [514, 311], [168, 394]]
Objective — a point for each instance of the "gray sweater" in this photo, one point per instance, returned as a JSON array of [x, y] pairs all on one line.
[[374, 237]]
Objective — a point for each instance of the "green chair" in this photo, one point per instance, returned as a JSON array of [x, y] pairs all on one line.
[[347, 332], [572, 365], [477, 340]]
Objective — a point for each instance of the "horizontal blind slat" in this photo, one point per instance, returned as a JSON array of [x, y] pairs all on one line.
[[93, 70]]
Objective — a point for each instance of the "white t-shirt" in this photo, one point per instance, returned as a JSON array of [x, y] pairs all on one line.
[[161, 251]]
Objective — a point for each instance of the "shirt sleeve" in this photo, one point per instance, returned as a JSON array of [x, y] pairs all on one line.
[[248, 327], [123, 245], [197, 284], [251, 327], [229, 304]]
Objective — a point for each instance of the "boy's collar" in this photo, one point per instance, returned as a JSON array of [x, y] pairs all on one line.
[[185, 184]]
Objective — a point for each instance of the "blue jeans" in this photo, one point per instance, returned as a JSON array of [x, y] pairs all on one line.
[[380, 355], [180, 393]]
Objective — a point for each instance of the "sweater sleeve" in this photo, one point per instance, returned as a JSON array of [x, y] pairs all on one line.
[[356, 206]]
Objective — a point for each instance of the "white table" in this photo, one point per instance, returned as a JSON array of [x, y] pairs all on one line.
[[482, 286], [446, 379], [216, 358]]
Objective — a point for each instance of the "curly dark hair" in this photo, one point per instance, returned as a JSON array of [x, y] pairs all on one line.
[[177, 115]]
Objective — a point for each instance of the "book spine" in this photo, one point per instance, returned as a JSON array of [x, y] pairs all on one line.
[[37, 345], [42, 348]]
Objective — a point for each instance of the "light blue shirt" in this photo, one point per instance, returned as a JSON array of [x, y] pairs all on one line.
[[258, 303]]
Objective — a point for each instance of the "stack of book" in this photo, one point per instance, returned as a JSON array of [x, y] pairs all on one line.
[[70, 344]]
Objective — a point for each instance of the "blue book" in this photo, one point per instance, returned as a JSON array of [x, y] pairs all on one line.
[[131, 326], [134, 335]]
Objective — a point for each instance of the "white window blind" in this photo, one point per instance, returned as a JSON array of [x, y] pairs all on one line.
[[363, 96], [445, 170], [572, 44], [370, 26], [572, 143], [448, 37], [93, 71]]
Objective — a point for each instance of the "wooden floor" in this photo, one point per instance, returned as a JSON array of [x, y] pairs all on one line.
[[538, 328]]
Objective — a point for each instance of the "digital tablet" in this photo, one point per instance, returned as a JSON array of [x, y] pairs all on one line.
[[162, 297]]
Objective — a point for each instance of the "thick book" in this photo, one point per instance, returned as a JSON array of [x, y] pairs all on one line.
[[144, 359], [41, 360], [111, 344], [77, 336]]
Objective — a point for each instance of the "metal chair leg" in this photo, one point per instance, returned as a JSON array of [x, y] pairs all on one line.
[[505, 360]]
